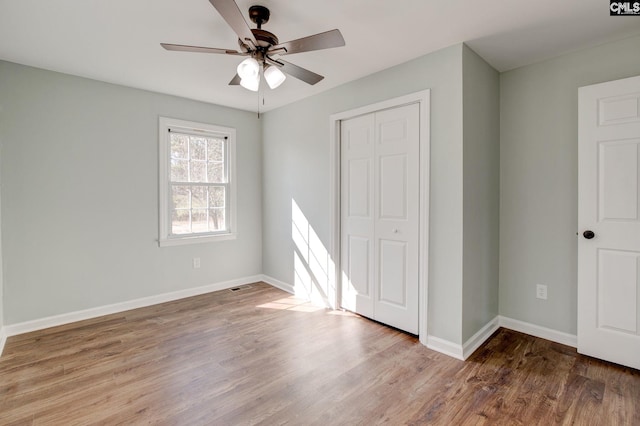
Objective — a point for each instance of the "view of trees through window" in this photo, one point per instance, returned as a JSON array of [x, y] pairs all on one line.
[[198, 184]]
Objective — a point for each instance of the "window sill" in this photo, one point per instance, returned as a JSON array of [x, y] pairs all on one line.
[[181, 241]]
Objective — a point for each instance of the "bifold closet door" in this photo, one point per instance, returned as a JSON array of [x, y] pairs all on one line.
[[380, 216]]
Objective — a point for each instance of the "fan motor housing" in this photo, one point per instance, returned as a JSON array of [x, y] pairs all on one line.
[[264, 38]]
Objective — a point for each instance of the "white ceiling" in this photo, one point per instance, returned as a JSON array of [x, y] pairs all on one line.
[[117, 41]]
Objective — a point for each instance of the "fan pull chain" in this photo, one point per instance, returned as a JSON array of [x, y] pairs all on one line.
[[261, 74]]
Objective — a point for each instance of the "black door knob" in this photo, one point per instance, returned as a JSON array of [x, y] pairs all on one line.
[[588, 234]]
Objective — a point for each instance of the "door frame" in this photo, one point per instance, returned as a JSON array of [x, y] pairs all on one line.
[[422, 98]]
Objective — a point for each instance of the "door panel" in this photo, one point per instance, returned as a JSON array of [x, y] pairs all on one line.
[[608, 181], [357, 242], [623, 109], [393, 273], [358, 259], [618, 290], [397, 154], [394, 130], [393, 187], [359, 188], [618, 186]]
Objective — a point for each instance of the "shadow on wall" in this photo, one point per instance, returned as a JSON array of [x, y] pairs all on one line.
[[313, 266]]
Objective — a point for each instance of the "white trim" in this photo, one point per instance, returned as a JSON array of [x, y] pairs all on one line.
[[164, 240], [445, 347], [3, 339], [480, 337], [425, 182], [56, 320], [539, 331], [334, 210], [193, 239], [279, 284], [462, 352], [411, 98], [423, 99]]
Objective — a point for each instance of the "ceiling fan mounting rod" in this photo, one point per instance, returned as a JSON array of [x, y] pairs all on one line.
[[259, 15]]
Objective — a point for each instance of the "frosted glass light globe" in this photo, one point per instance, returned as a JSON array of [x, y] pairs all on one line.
[[274, 76], [248, 68], [251, 83]]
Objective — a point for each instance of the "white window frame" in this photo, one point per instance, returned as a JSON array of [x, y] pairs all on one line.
[[165, 126]]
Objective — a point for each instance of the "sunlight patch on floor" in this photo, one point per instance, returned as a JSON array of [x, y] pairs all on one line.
[[343, 313], [291, 304]]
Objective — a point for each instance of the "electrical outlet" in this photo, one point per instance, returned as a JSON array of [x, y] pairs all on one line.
[[196, 262], [541, 291]]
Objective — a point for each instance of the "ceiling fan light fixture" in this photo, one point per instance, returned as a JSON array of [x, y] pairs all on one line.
[[274, 76], [249, 68], [251, 83], [260, 47]]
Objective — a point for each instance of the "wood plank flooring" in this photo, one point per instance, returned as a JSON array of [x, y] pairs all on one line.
[[258, 356]]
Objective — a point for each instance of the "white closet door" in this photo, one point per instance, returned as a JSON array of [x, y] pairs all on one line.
[[380, 208], [397, 196], [357, 198]]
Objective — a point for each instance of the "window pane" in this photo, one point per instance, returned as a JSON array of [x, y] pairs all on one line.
[[217, 196], [198, 197], [217, 220], [198, 172], [179, 146], [198, 148], [215, 150], [180, 197], [179, 170], [199, 221], [215, 172], [180, 222], [196, 189]]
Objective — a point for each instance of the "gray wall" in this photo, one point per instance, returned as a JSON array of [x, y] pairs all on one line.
[[296, 167], [79, 186], [79, 177], [481, 134], [539, 179]]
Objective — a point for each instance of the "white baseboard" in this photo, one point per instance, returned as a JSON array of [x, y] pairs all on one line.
[[278, 284], [56, 320], [445, 347], [539, 331], [480, 337], [3, 339], [465, 350]]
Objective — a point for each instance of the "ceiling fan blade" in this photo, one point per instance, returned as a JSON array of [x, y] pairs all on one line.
[[297, 72], [235, 81], [231, 13], [186, 48], [320, 41]]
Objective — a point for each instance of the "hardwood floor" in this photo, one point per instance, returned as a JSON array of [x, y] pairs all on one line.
[[258, 356]]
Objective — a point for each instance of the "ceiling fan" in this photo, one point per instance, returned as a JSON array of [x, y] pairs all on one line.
[[263, 48]]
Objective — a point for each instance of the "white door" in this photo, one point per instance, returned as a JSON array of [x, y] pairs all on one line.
[[379, 211], [609, 221], [356, 204]]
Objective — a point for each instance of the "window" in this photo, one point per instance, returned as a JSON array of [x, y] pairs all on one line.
[[197, 182]]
